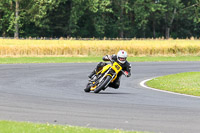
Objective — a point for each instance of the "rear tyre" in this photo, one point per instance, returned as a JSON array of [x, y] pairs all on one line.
[[102, 84]]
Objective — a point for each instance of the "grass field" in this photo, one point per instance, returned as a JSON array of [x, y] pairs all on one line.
[[148, 47], [27, 127], [13, 60], [185, 83]]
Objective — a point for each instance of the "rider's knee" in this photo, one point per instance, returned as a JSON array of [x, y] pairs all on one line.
[[114, 85], [100, 65]]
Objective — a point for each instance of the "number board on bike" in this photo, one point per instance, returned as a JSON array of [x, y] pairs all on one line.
[[116, 67]]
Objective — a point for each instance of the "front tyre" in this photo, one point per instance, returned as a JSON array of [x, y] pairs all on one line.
[[87, 89], [102, 84]]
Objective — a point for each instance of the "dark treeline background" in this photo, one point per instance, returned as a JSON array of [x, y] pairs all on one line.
[[100, 18]]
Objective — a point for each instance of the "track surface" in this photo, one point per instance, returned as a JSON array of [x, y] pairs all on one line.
[[54, 93]]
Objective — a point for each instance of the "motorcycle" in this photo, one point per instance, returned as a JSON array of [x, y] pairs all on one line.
[[104, 77]]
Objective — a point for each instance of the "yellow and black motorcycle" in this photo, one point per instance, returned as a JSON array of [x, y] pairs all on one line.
[[104, 77]]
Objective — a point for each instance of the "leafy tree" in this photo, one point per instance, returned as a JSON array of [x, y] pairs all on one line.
[[6, 17], [95, 19], [121, 17], [100, 18]]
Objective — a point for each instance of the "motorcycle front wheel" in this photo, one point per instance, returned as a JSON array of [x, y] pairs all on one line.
[[102, 84], [87, 89]]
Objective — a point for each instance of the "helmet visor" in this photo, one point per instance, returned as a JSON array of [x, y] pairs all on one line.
[[122, 59]]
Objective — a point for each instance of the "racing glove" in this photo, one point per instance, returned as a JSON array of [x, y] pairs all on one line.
[[127, 74]]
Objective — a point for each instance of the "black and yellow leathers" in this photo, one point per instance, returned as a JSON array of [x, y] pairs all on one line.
[[107, 75], [126, 67]]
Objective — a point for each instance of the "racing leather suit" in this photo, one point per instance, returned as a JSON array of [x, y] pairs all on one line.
[[125, 67]]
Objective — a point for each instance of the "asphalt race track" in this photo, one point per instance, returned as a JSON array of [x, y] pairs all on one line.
[[54, 93]]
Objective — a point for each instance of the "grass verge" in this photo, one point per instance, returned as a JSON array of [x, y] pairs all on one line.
[[14, 60], [27, 127], [185, 83]]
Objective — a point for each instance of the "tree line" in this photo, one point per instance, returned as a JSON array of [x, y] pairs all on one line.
[[100, 18]]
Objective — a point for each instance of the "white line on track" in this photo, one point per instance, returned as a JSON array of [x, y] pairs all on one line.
[[143, 85]]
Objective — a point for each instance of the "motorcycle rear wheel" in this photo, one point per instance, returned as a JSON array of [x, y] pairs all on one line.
[[102, 84]]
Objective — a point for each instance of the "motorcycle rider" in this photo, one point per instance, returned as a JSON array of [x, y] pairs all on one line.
[[120, 58]]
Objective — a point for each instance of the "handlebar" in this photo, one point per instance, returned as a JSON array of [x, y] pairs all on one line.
[[110, 59]]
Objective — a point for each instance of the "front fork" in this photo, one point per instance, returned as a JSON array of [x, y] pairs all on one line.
[[110, 80], [97, 81]]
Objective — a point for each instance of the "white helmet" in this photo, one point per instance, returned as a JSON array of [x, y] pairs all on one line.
[[121, 56]]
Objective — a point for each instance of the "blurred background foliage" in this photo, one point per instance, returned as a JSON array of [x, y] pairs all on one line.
[[100, 18]]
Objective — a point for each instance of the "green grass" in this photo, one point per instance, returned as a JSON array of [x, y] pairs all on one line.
[[27, 127], [13, 60], [185, 83]]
